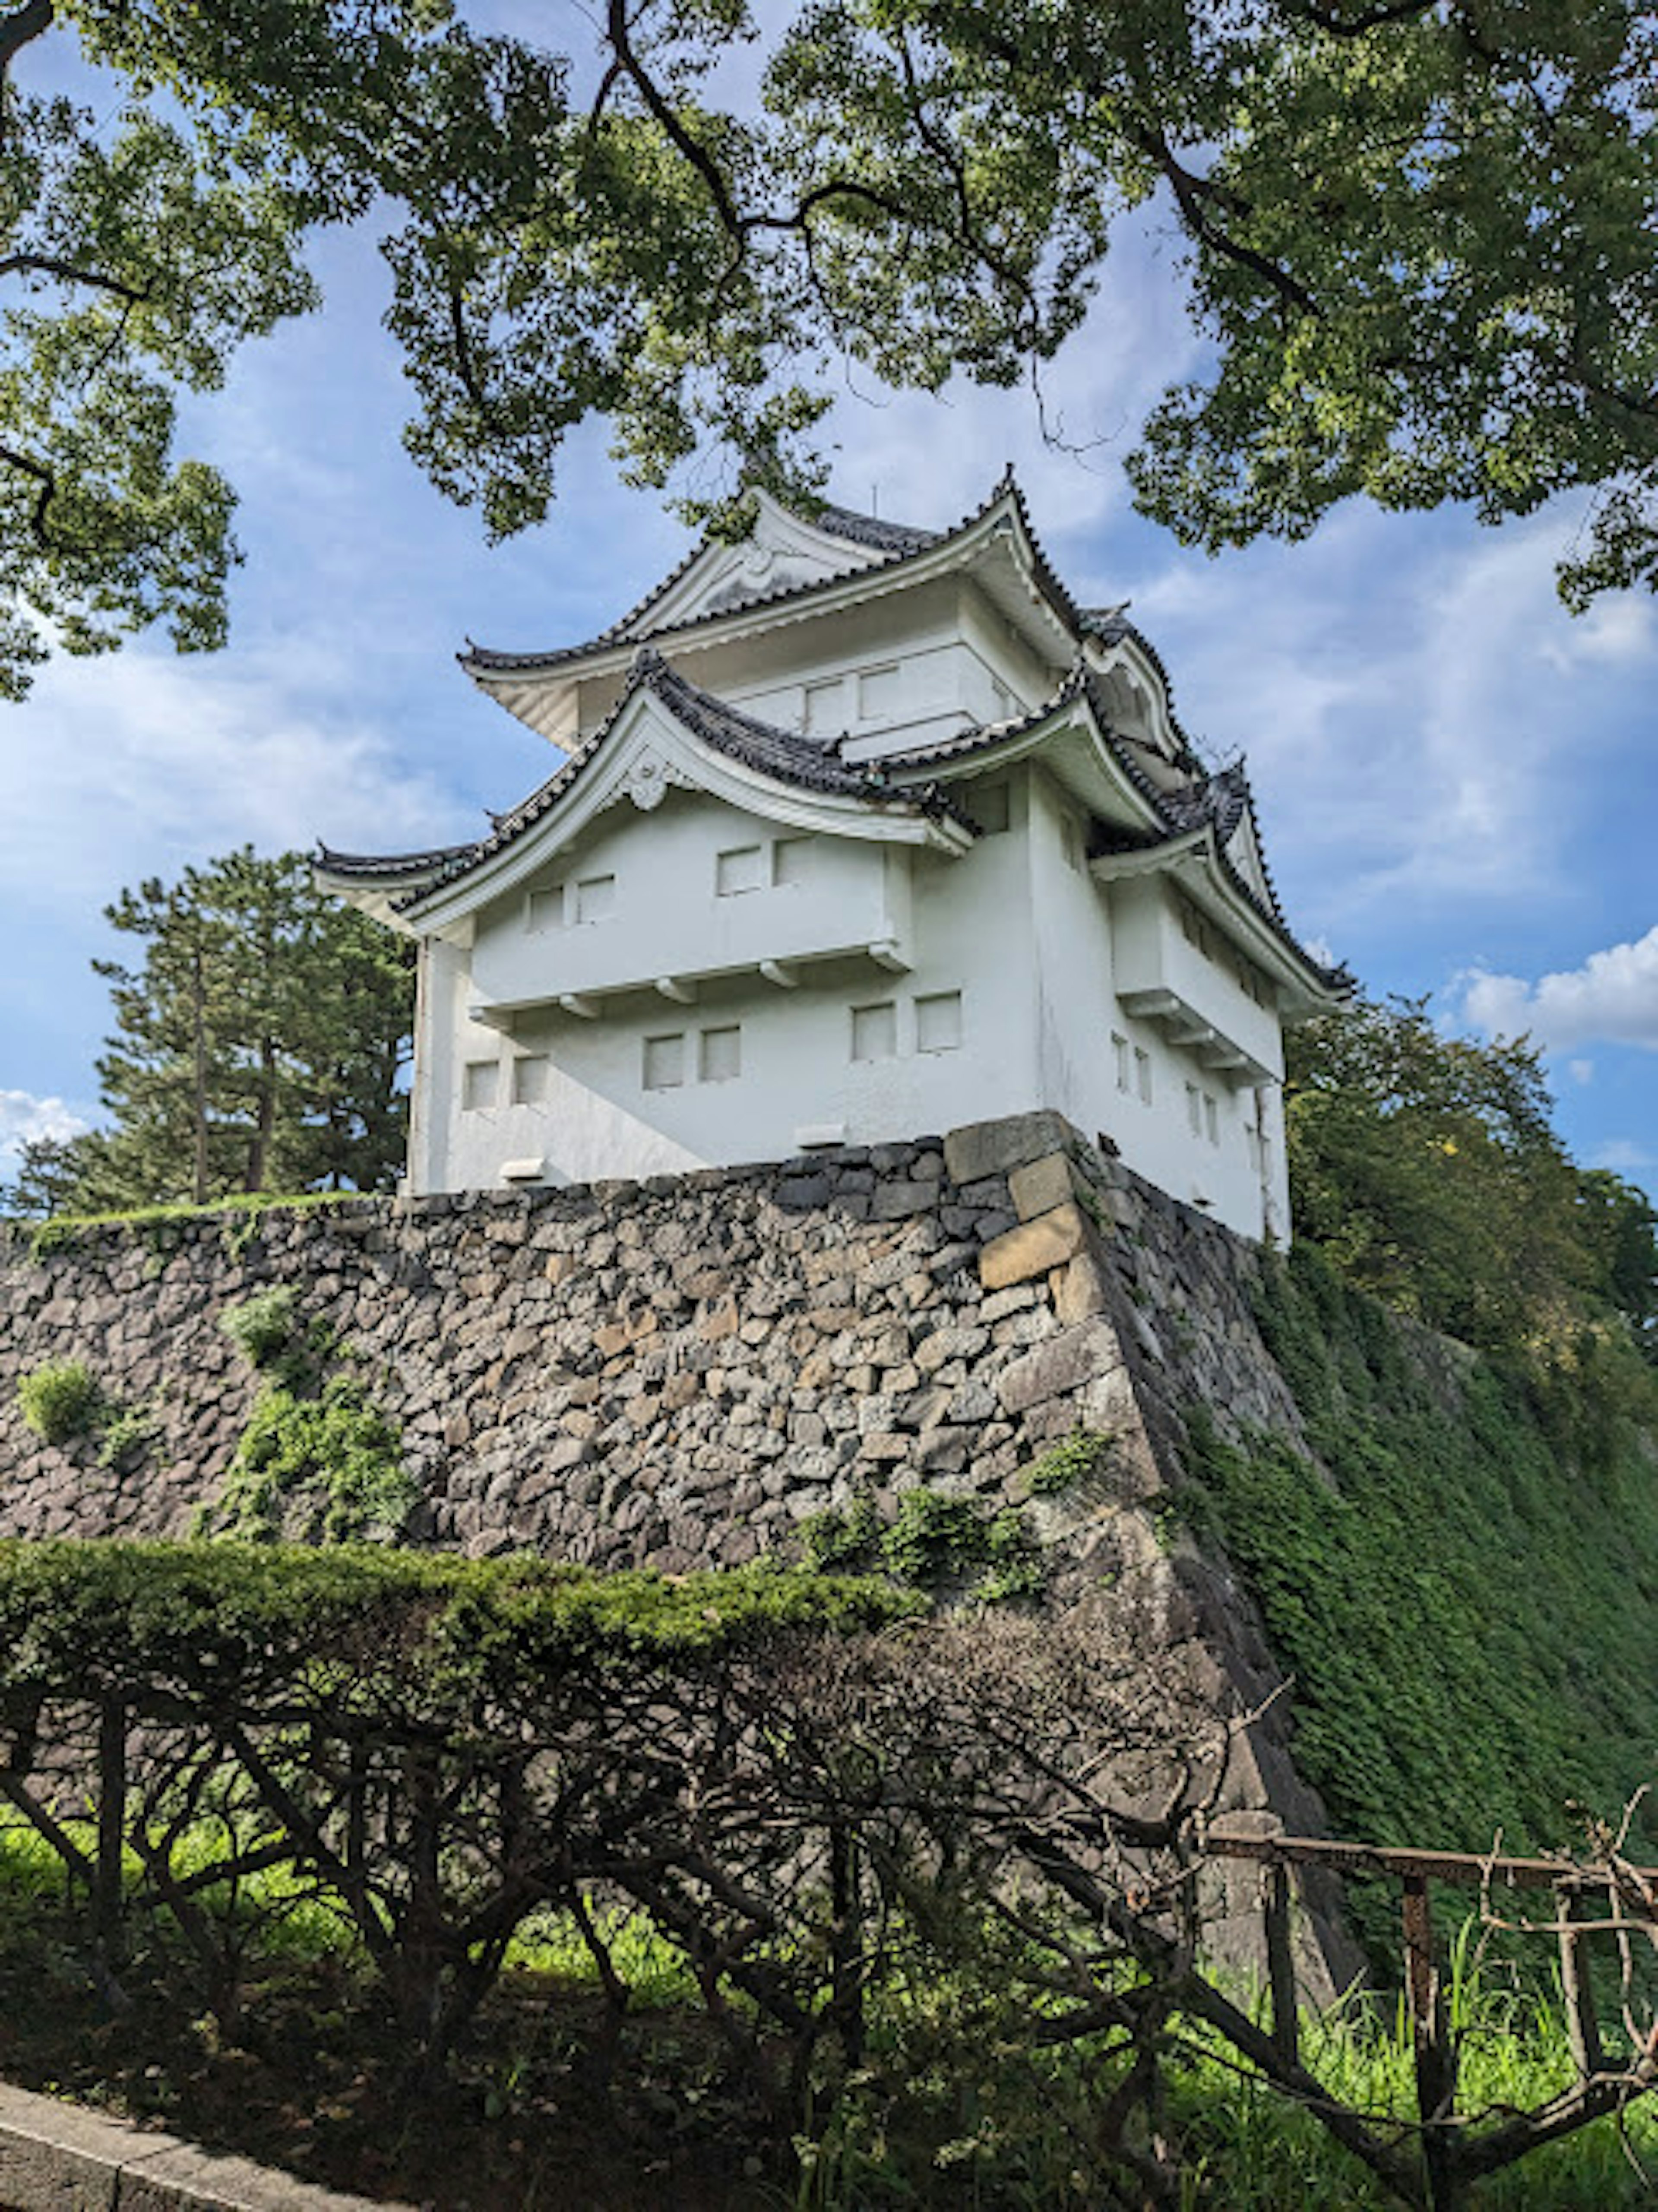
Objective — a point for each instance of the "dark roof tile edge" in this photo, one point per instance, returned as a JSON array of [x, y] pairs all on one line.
[[486, 659], [780, 754]]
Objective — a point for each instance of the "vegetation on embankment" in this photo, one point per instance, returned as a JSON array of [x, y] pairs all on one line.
[[1464, 1587]]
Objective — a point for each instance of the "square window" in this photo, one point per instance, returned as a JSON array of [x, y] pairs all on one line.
[[720, 1056], [875, 1031], [1210, 1119], [939, 1022], [1143, 1075], [987, 803], [1119, 1058], [1194, 1109], [479, 1084], [545, 908], [595, 898], [790, 858], [530, 1075], [737, 871], [879, 692], [826, 713], [664, 1063]]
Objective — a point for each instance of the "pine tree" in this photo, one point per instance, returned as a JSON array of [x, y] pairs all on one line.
[[258, 1046]]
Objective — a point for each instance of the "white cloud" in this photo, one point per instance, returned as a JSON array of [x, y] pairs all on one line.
[[1619, 627], [1428, 729], [1611, 998], [25, 1119], [1623, 1157], [137, 764], [1581, 1071]]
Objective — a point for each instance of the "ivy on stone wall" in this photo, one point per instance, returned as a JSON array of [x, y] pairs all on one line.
[[1468, 1614]]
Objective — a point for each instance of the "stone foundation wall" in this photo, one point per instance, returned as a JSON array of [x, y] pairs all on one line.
[[676, 1373]]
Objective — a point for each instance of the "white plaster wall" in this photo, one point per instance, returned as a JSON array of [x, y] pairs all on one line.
[[1024, 936], [666, 915], [957, 661], [971, 934], [1154, 953], [1079, 1015]]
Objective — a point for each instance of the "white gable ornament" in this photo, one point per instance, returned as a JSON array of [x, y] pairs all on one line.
[[933, 848]]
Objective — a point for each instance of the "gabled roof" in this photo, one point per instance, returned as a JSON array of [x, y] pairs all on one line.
[[895, 542], [780, 756], [870, 529], [890, 540]]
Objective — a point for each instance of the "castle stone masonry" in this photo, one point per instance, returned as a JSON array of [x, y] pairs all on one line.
[[859, 830]]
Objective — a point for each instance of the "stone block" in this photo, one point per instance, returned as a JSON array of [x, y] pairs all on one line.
[[1076, 1357], [1079, 1288], [802, 1194], [1040, 1185], [991, 1148], [899, 1201], [1033, 1248]]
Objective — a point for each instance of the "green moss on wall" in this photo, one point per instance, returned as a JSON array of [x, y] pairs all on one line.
[[1470, 1615]]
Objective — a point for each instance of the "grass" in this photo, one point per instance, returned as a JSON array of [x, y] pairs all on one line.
[[953, 2107]]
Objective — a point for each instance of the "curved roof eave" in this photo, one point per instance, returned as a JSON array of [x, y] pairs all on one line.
[[500, 672], [761, 753]]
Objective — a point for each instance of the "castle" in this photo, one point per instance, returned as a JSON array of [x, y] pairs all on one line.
[[860, 830]]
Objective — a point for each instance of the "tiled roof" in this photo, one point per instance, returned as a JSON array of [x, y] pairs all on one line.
[[782, 755], [871, 531], [897, 541], [1218, 801], [371, 867]]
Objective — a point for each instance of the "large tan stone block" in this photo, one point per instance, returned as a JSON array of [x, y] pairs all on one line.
[[987, 1148], [1035, 1248], [1074, 1360], [1040, 1185]]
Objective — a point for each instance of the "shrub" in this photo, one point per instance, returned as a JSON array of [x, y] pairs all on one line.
[[60, 1401], [327, 1469], [263, 1327]]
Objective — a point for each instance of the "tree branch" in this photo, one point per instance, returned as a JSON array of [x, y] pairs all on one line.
[[1190, 193], [46, 478], [21, 28], [52, 264]]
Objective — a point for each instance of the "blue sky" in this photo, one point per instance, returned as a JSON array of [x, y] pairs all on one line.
[[1456, 780]]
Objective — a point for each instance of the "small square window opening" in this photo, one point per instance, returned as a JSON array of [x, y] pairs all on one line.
[[939, 1022], [738, 871], [664, 1063], [720, 1056], [875, 1031], [595, 898], [530, 1078]]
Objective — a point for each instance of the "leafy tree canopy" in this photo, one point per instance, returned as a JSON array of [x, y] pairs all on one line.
[[1429, 1169], [1419, 236], [257, 1045]]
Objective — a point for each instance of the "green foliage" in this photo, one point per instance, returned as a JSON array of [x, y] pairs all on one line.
[[60, 1401], [127, 1435], [933, 1541], [1421, 258], [1465, 1613], [92, 1618], [1067, 1465], [264, 1326], [1427, 1169], [240, 1216], [325, 1469], [257, 1047]]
